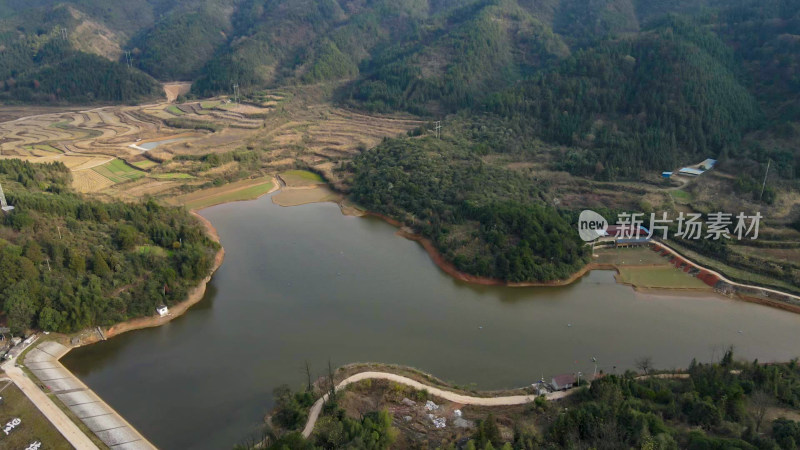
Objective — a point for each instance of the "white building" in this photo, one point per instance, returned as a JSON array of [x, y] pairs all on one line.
[[162, 310]]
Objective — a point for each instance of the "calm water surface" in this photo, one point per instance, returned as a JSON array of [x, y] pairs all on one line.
[[153, 144], [309, 284]]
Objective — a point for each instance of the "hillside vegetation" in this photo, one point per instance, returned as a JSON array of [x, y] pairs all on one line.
[[487, 221], [67, 263], [46, 68], [725, 405]]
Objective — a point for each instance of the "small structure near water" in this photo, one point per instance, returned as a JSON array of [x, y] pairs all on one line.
[[563, 382], [162, 310]]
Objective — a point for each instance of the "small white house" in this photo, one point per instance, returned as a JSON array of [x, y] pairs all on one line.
[[162, 310]]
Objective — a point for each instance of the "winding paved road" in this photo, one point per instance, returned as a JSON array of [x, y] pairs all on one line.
[[313, 414]]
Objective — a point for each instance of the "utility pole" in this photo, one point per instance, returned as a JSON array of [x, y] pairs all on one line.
[[438, 127], [764, 185], [236, 93], [4, 206]]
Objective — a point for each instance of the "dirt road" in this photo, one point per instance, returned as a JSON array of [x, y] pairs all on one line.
[[313, 414], [722, 277]]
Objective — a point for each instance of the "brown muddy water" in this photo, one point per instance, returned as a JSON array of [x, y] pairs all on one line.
[[309, 284]]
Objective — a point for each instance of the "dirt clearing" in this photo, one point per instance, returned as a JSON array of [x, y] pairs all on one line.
[[173, 90]]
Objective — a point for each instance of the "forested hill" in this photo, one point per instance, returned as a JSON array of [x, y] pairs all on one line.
[[487, 221], [67, 263], [424, 56], [651, 101], [46, 69]]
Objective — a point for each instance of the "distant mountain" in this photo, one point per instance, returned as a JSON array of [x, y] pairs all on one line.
[[428, 57]]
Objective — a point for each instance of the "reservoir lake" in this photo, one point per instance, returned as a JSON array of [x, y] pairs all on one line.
[[307, 283]]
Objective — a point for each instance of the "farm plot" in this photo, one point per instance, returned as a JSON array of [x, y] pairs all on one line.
[[43, 150], [295, 178], [118, 171], [172, 176], [145, 164], [172, 109], [242, 190], [660, 278], [80, 162], [88, 181]]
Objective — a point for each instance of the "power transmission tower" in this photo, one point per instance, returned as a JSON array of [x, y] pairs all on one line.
[[763, 185], [438, 128], [128, 59], [64, 33], [3, 203], [236, 93]]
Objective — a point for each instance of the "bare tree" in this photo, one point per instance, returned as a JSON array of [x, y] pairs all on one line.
[[332, 383], [760, 402], [644, 364], [308, 376]]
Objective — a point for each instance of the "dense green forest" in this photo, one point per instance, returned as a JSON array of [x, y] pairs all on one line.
[[67, 262], [487, 221], [177, 47], [725, 405], [650, 102]]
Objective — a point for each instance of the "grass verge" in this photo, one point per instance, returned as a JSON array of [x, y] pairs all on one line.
[[34, 426]]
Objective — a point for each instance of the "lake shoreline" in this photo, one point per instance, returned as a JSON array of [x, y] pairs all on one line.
[[450, 269], [196, 294], [227, 217]]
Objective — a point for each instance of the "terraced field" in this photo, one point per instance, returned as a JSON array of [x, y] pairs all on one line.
[[88, 181], [118, 171], [287, 130]]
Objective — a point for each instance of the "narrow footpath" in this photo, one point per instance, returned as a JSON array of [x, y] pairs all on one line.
[[313, 414]]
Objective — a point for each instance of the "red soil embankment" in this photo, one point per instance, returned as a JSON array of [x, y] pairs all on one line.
[[450, 269]]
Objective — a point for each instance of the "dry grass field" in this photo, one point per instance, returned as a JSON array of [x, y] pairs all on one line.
[[89, 181]]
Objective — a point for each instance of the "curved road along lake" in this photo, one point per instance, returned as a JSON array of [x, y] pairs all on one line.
[[307, 283]]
